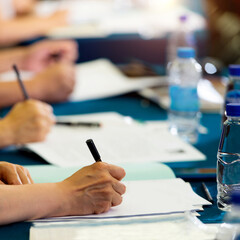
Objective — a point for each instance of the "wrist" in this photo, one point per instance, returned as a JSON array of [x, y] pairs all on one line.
[[34, 88], [20, 56], [63, 204], [6, 133]]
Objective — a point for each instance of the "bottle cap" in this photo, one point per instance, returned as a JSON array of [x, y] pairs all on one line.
[[233, 109], [234, 70], [185, 52], [183, 18]]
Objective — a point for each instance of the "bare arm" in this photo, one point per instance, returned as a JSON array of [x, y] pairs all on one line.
[[38, 56], [32, 201], [54, 84], [20, 29], [10, 93], [91, 190], [12, 56]]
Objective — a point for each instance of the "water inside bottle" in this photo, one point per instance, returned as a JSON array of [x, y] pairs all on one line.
[[228, 178], [185, 125], [228, 164]]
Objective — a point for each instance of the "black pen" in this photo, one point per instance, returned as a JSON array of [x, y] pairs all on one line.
[[79, 124], [25, 94], [209, 197], [93, 150]]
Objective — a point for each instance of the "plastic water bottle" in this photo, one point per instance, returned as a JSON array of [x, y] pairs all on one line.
[[232, 94], [230, 229], [184, 112], [183, 36], [228, 157]]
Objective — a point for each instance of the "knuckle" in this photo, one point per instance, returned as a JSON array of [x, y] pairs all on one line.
[[13, 182], [99, 166], [102, 207], [107, 194], [38, 124]]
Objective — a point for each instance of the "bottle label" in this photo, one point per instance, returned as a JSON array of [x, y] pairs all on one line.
[[184, 99], [233, 96]]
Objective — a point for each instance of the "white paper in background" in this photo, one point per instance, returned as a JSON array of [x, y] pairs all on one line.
[[103, 18], [98, 79], [149, 197], [118, 141], [79, 11], [11, 76]]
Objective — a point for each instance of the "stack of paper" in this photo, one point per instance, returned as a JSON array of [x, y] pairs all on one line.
[[119, 140], [150, 197], [143, 198], [177, 227]]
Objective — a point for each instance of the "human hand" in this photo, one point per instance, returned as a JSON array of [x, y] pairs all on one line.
[[23, 7], [55, 84], [41, 54], [57, 19], [93, 189], [28, 121], [14, 174]]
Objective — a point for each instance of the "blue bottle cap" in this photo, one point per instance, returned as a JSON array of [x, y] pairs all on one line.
[[233, 109], [234, 70], [185, 52], [183, 18]]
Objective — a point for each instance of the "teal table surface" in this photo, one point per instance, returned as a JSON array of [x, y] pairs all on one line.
[[141, 109]]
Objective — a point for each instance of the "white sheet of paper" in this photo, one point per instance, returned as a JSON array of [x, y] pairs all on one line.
[[176, 228], [149, 197], [100, 78], [119, 140]]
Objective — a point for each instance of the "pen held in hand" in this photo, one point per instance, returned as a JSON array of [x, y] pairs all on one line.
[[25, 94], [93, 150], [79, 124]]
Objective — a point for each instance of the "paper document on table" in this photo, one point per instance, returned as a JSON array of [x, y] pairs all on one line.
[[149, 197], [100, 78], [178, 227], [119, 140]]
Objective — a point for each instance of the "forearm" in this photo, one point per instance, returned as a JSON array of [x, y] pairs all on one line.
[[20, 29], [6, 136], [31, 201], [11, 93], [11, 56]]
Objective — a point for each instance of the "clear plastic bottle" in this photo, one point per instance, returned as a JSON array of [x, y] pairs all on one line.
[[232, 94], [184, 111], [228, 157], [230, 229], [183, 36]]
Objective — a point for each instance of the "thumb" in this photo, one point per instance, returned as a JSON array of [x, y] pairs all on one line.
[[2, 183]]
